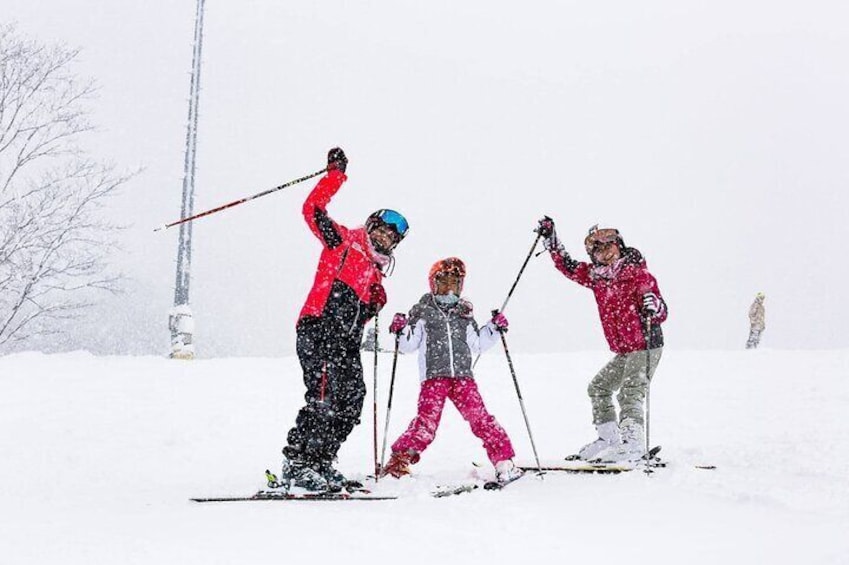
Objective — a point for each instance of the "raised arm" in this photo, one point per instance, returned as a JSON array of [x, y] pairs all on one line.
[[315, 213], [574, 270]]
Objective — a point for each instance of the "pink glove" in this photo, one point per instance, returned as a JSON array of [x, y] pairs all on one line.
[[500, 322], [399, 322]]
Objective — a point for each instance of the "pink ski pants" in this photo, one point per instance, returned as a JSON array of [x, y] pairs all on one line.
[[463, 392]]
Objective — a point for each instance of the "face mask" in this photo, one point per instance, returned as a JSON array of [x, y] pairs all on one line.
[[449, 299], [609, 272]]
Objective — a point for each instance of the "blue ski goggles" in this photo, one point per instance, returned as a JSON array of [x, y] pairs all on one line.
[[393, 219]]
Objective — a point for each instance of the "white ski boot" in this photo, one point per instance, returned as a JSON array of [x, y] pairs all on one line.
[[506, 472], [608, 436], [631, 448]]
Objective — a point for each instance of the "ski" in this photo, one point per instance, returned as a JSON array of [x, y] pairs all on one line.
[[280, 490], [650, 456], [265, 495], [652, 453], [576, 465], [593, 468], [451, 490], [349, 485], [497, 485]]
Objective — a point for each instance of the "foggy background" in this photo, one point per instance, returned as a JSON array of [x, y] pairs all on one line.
[[712, 134]]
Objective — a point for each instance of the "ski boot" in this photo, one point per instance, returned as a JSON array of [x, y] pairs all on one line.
[[631, 448], [506, 472], [336, 481], [399, 464], [300, 474], [608, 436]]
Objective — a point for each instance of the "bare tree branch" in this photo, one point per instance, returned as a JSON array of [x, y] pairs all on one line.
[[54, 241]]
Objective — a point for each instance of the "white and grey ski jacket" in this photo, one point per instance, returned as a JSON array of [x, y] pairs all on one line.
[[447, 338]]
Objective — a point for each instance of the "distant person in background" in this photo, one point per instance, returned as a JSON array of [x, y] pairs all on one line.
[[346, 293], [757, 321], [631, 310], [370, 341]]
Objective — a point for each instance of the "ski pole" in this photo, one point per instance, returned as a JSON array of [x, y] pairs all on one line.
[[374, 401], [389, 403], [237, 202], [648, 390], [522, 270], [512, 288], [519, 394]]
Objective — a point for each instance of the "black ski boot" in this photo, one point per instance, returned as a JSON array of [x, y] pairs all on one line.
[[336, 481], [301, 474]]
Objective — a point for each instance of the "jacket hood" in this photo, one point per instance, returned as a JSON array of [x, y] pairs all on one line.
[[463, 307]]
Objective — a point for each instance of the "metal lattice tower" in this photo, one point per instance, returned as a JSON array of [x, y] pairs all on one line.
[[180, 319]]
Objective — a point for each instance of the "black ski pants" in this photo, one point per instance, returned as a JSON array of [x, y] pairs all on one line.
[[333, 374]]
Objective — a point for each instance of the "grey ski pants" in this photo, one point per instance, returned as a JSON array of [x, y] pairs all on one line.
[[754, 339], [625, 373]]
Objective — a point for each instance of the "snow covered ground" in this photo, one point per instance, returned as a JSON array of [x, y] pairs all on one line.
[[101, 454]]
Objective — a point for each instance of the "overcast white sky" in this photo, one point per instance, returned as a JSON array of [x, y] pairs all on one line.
[[712, 134]]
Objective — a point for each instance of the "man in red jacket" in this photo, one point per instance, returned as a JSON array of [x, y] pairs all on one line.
[[346, 293], [631, 310]]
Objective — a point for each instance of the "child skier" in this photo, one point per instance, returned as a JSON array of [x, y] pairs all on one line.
[[631, 310], [441, 327]]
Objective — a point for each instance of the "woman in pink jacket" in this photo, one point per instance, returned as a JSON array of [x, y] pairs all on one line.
[[631, 309]]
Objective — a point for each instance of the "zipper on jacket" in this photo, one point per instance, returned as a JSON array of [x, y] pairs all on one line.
[[450, 344], [336, 278]]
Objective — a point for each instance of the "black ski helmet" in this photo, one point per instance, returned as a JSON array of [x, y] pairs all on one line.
[[390, 218], [393, 220]]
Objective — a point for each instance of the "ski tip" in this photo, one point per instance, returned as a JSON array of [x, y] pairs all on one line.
[[444, 491]]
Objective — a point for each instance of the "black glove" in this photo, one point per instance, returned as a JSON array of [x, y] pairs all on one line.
[[546, 230], [336, 159], [545, 227]]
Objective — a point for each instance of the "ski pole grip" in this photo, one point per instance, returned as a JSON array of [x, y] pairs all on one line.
[[495, 312]]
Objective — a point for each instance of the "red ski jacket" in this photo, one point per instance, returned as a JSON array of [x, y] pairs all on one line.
[[347, 269], [619, 300]]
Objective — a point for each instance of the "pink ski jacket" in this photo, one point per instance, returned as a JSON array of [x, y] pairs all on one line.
[[619, 300]]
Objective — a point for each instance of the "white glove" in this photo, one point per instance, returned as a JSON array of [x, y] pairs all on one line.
[[651, 303]]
